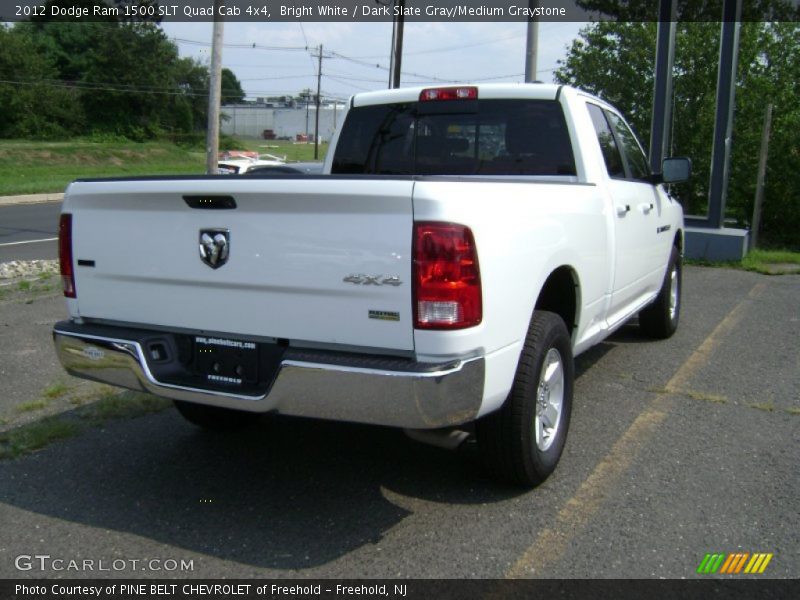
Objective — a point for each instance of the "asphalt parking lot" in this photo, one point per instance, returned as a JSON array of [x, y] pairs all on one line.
[[676, 449]]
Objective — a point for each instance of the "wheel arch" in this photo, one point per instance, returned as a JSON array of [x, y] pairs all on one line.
[[678, 241], [560, 294]]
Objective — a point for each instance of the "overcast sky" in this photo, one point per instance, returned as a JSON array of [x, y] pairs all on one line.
[[447, 51]]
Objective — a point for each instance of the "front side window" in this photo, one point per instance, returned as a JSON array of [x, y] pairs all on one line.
[[608, 145], [637, 161], [487, 137]]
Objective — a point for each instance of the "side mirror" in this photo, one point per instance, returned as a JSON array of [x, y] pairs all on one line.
[[676, 170]]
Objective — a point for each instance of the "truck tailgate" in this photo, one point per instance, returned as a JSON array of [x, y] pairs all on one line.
[[321, 260]]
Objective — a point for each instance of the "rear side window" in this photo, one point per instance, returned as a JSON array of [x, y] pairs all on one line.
[[487, 137]]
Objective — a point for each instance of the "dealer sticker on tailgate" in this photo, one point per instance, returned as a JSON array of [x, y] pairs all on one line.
[[226, 361]]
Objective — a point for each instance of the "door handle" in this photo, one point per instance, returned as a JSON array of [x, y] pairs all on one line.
[[646, 208], [623, 210]]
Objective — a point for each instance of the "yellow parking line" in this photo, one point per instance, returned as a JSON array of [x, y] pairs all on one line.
[[550, 544], [701, 356], [581, 507]]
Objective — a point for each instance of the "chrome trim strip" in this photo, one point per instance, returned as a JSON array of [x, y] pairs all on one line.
[[379, 372]]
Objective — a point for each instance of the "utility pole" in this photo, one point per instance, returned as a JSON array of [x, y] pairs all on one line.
[[316, 117], [532, 47], [762, 173], [391, 48], [397, 43], [307, 96], [214, 93]]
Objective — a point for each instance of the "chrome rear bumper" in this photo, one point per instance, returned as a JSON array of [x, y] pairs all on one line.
[[414, 395]]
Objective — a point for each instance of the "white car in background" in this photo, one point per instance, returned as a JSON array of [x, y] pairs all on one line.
[[237, 162]]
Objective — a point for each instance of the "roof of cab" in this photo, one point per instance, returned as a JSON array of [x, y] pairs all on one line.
[[539, 91]]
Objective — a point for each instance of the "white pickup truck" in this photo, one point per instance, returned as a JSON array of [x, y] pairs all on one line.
[[462, 245]]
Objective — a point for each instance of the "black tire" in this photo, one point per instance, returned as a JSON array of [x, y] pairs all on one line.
[[660, 319], [214, 418], [506, 438]]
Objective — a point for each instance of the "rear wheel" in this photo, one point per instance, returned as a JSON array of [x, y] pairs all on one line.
[[660, 319], [523, 441], [214, 418]]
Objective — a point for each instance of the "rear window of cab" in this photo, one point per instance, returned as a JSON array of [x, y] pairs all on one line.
[[463, 137]]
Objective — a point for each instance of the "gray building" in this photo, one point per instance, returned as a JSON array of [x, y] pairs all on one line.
[[250, 120]]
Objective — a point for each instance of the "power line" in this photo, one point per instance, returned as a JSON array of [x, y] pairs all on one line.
[[278, 77], [258, 66], [305, 39], [111, 84], [202, 92], [450, 48], [341, 78], [335, 97], [511, 75], [252, 46], [350, 77], [383, 68], [422, 78], [103, 88], [303, 31], [352, 85]]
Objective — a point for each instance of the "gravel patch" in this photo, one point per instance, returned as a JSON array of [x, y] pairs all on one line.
[[27, 268]]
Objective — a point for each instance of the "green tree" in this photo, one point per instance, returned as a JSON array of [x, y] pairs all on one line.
[[131, 72], [32, 106], [615, 61], [232, 92], [128, 76], [191, 78]]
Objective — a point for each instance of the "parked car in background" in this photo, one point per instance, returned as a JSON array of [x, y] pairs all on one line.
[[303, 168], [238, 162]]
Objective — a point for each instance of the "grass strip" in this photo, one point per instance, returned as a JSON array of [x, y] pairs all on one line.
[[127, 405], [766, 262], [33, 436], [110, 406], [33, 167]]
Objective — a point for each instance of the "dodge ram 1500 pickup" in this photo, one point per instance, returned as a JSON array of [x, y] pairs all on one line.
[[461, 246]]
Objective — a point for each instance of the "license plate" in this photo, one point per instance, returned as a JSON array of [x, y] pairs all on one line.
[[224, 361]]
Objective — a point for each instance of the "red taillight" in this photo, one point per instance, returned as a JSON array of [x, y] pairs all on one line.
[[65, 255], [449, 93], [447, 280]]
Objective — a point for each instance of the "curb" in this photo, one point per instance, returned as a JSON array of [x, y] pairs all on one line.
[[31, 199]]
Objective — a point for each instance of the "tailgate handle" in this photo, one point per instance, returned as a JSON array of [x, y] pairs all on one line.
[[210, 202]]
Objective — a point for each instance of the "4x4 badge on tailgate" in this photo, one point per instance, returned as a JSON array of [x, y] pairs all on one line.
[[373, 280], [214, 247]]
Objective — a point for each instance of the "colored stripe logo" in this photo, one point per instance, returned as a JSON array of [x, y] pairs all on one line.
[[734, 563]]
